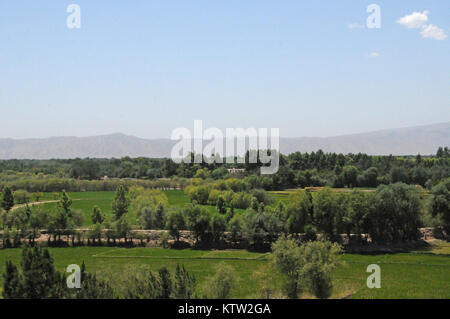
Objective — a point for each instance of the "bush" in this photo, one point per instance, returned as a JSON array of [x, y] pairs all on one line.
[[221, 284], [319, 259], [241, 200], [262, 196], [306, 267]]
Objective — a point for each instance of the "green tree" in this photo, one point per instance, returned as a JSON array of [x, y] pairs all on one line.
[[38, 279], [440, 203], [65, 202], [218, 227], [357, 213], [298, 212], [175, 223], [221, 208], [350, 175], [198, 221], [327, 210], [97, 217], [286, 259], [394, 213], [93, 288], [12, 282], [268, 281], [369, 177], [419, 176], [306, 267], [95, 233], [164, 283], [122, 228], [235, 228], [253, 228], [120, 203], [319, 259], [398, 174], [147, 217], [160, 217], [184, 284], [8, 199], [221, 284]]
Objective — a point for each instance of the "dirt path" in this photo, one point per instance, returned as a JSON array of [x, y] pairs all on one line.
[[39, 203]]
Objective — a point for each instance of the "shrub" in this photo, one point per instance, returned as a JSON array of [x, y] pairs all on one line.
[[221, 284], [306, 267]]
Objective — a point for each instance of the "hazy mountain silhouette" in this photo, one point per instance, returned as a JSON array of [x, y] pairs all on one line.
[[404, 141]]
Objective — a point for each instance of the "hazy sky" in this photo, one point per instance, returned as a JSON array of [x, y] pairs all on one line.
[[311, 68]]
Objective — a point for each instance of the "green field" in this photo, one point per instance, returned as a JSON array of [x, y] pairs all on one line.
[[85, 202], [404, 275], [421, 274]]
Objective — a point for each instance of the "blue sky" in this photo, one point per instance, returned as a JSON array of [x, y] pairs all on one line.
[[146, 67]]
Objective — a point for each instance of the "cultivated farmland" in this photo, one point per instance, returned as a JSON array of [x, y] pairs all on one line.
[[423, 274]]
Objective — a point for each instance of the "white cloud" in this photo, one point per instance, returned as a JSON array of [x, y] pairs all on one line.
[[417, 20], [374, 54], [414, 20], [355, 25], [432, 31]]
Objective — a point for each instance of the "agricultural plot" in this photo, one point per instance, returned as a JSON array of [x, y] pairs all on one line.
[[85, 201], [406, 275], [420, 274]]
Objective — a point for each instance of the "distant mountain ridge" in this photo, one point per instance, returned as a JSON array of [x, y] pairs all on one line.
[[404, 141]]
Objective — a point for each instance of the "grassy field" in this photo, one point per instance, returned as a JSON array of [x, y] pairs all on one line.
[[85, 202], [422, 274]]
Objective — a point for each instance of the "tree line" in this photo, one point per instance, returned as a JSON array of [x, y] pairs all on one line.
[[391, 213], [296, 170], [37, 278], [30, 185]]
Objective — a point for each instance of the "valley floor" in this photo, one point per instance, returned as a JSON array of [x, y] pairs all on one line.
[[418, 274]]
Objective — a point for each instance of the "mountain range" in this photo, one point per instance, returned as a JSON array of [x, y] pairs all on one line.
[[403, 141]]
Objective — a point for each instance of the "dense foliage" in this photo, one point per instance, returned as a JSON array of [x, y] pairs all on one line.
[[37, 278], [296, 170], [306, 267], [391, 213]]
